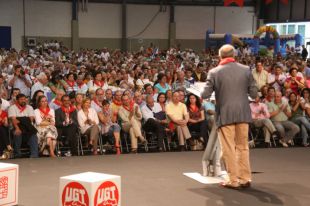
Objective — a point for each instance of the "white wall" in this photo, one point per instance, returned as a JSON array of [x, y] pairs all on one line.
[[138, 16], [11, 14], [48, 18], [53, 19], [234, 20], [192, 22], [101, 21]]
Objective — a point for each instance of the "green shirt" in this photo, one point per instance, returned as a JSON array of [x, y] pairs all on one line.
[[281, 117]]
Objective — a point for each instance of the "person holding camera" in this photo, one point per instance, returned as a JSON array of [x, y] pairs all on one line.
[[45, 124], [21, 80], [89, 121]]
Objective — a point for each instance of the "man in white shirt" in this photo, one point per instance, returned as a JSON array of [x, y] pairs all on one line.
[[96, 103], [260, 75], [151, 113], [41, 85], [21, 81]]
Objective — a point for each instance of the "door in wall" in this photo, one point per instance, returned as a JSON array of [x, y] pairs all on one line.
[[5, 37]]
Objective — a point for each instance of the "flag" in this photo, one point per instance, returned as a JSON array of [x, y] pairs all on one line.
[[238, 2]]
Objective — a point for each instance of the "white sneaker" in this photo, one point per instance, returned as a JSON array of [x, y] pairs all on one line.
[[284, 144]]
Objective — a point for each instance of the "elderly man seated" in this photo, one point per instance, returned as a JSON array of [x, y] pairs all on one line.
[[154, 119], [130, 116], [260, 116], [279, 114], [177, 113]]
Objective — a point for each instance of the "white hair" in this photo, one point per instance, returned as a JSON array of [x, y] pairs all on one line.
[[227, 50], [42, 75]]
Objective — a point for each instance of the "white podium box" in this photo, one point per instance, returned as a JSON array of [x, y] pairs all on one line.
[[8, 184], [90, 189]]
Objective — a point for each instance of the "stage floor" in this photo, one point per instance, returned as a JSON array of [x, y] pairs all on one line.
[[281, 177]]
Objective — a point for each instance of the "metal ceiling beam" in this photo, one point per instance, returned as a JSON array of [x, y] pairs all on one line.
[[171, 2]]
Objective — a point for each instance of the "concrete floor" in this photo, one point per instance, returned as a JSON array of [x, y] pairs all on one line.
[[281, 177]]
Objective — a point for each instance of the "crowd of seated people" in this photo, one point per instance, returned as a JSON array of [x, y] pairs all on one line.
[[51, 94]]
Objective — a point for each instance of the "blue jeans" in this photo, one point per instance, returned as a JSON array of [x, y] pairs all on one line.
[[304, 124], [32, 142]]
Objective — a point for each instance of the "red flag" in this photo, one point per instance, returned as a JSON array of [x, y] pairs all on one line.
[[238, 2]]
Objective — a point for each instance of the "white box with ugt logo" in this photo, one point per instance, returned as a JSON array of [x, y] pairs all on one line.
[[90, 189], [8, 184]]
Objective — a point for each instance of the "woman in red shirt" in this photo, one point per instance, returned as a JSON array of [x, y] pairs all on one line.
[[4, 137], [294, 82]]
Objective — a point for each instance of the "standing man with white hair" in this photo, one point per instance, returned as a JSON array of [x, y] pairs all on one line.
[[41, 85], [232, 83]]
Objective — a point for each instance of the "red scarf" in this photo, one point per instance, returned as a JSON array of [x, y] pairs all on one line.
[[227, 60], [57, 102], [99, 83], [71, 83], [21, 109], [118, 103], [193, 108], [45, 112], [68, 110], [80, 85], [130, 107]]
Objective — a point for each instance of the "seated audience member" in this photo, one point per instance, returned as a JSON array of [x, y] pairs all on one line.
[[148, 90], [130, 116], [88, 121], [197, 121], [182, 97], [294, 82], [41, 84], [161, 100], [56, 103], [5, 146], [270, 95], [109, 126], [162, 85], [96, 103], [78, 101], [109, 95], [117, 102], [298, 117], [263, 92], [71, 85], [82, 88], [155, 120], [177, 113], [277, 79], [14, 93], [20, 80], [3, 90], [67, 123], [189, 76], [97, 83], [138, 98], [168, 96], [199, 75], [22, 117], [45, 124], [305, 99], [260, 75], [35, 98], [279, 113], [181, 83], [260, 116]]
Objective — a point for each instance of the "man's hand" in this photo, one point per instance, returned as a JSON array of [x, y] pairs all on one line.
[[17, 132]]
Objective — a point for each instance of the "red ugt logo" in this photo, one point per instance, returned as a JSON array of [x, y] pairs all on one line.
[[4, 186], [107, 195], [74, 194]]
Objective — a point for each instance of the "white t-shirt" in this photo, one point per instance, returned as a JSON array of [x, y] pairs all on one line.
[[14, 111], [5, 104], [20, 84]]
